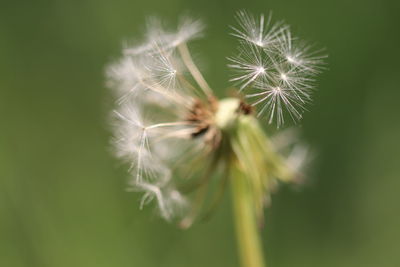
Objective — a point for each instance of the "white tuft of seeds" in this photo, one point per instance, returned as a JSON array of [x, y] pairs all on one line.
[[174, 132], [274, 70]]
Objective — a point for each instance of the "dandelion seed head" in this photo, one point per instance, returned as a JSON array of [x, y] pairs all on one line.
[[171, 130]]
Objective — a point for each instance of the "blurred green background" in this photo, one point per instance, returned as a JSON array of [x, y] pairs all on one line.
[[62, 198]]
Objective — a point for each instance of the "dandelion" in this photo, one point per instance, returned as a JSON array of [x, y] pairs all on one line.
[[184, 146]]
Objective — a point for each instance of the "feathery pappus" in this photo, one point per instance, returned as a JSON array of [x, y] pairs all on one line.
[[180, 141]]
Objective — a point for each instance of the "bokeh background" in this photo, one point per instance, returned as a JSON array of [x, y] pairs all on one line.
[[62, 198]]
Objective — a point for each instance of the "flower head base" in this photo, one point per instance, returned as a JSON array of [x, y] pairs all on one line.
[[181, 142]]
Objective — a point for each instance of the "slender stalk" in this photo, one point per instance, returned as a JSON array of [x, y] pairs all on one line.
[[169, 124], [187, 59], [249, 243]]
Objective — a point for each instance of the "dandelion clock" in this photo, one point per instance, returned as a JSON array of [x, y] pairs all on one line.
[[184, 146]]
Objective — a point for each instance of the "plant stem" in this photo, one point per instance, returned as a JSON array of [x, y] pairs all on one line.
[[249, 243]]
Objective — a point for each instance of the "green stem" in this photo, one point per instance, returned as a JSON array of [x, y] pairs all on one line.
[[249, 243]]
